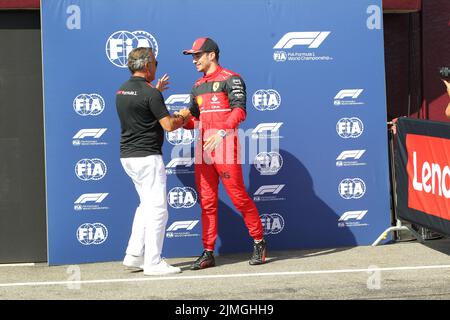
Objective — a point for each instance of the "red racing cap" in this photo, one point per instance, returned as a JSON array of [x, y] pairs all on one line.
[[203, 45]]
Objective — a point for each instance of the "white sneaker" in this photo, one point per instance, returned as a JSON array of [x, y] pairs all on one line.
[[161, 268], [133, 262]]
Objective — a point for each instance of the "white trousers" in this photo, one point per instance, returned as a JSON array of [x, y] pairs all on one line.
[[149, 224]]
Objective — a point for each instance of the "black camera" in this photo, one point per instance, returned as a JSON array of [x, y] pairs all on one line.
[[444, 72]]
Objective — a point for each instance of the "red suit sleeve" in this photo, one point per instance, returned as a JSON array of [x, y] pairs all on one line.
[[236, 116], [190, 125]]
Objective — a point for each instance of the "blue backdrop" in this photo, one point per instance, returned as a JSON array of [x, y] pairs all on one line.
[[314, 142]]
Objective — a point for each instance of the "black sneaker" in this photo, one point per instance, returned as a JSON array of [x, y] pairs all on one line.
[[206, 260], [259, 253]]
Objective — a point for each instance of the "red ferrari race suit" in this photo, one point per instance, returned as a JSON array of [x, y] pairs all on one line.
[[218, 101]]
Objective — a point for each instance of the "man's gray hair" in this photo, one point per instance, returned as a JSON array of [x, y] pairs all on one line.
[[138, 57]]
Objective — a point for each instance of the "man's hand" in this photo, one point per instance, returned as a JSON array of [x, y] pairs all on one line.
[[184, 112], [163, 83], [447, 110], [447, 84], [212, 142], [394, 126]]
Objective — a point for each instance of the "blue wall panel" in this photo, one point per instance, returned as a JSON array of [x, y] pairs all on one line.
[[317, 167]]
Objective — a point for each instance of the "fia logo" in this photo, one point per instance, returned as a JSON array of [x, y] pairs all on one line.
[[88, 104], [92, 233], [272, 223], [182, 197], [280, 56], [266, 100], [90, 169], [121, 43], [352, 188], [268, 163], [349, 127], [181, 136]]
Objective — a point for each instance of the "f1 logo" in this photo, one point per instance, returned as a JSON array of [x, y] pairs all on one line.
[[187, 162], [91, 197], [271, 127], [349, 93], [94, 133], [273, 189], [311, 39], [354, 154], [178, 98], [188, 225], [357, 215]]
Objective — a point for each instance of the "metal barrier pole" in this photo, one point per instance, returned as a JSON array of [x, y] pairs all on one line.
[[398, 223]]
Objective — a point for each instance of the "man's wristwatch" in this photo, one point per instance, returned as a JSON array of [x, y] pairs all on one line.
[[222, 133]]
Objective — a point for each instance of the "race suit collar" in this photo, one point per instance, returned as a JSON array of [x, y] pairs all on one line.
[[214, 74]]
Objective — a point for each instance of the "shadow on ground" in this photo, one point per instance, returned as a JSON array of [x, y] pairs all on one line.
[[307, 221]]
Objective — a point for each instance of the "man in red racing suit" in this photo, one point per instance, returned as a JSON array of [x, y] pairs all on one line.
[[217, 106]]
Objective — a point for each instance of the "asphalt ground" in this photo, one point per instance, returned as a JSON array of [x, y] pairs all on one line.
[[402, 270]]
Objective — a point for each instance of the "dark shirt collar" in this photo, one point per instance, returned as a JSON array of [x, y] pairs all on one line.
[[136, 78]]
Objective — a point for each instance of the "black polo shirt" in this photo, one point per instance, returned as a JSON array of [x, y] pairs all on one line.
[[140, 107]]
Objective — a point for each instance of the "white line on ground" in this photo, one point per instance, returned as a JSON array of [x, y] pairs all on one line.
[[18, 265], [238, 275], [319, 253]]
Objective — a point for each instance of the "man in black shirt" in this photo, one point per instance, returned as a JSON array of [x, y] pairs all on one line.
[[143, 119]]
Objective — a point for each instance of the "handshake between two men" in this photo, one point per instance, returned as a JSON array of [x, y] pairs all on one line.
[[185, 113], [144, 164], [210, 143]]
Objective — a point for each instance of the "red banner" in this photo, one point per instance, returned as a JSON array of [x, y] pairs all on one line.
[[402, 5], [429, 174], [19, 4]]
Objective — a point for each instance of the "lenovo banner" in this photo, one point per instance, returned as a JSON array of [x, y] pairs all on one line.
[[423, 173]]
